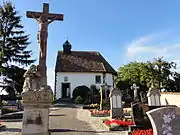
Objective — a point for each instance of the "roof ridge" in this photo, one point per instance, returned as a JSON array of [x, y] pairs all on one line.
[[81, 51]]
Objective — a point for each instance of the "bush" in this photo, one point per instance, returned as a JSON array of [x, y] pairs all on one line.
[[94, 89], [81, 91], [78, 100], [86, 102]]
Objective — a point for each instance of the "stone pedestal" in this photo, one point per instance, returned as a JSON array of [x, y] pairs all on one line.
[[36, 111]]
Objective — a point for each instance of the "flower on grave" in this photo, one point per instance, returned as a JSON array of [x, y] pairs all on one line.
[[94, 105], [95, 111], [4, 102], [119, 122], [142, 132]]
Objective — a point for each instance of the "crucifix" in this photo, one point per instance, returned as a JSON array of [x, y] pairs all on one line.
[[135, 91], [44, 19]]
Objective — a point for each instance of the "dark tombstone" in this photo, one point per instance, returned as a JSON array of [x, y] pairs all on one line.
[[139, 116], [165, 120]]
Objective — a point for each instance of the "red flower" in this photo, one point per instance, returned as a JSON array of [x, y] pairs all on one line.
[[94, 111], [119, 122], [143, 132]]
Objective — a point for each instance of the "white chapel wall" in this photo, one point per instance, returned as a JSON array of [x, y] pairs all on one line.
[[78, 79]]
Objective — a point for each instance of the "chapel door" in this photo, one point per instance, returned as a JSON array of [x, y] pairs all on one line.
[[65, 90]]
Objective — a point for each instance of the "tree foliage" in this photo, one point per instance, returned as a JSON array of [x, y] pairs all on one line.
[[141, 73], [13, 43]]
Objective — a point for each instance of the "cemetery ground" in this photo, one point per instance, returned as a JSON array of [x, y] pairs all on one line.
[[65, 120]]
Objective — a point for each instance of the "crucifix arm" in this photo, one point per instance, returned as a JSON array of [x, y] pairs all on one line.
[[53, 19], [35, 18]]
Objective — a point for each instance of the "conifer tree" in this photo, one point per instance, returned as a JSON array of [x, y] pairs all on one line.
[[13, 41]]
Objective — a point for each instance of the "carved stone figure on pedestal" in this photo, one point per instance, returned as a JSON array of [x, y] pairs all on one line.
[[32, 79], [37, 95]]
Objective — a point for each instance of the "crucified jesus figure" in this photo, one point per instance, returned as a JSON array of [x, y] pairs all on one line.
[[43, 33]]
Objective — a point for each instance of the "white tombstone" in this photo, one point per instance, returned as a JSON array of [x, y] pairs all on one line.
[[153, 96], [116, 103]]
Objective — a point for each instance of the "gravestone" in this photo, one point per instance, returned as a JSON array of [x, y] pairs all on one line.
[[135, 88], [154, 97], [165, 120], [139, 116], [116, 103], [37, 95]]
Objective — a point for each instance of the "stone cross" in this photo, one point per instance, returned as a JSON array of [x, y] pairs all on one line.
[[135, 90], [44, 19]]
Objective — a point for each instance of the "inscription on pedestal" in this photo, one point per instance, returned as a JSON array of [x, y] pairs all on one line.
[[35, 117]]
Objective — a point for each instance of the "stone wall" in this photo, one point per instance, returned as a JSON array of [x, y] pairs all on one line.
[[170, 98]]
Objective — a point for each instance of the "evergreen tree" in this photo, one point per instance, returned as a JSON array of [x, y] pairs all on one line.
[[13, 41]]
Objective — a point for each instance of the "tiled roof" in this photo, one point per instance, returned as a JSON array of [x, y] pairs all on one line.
[[82, 61]]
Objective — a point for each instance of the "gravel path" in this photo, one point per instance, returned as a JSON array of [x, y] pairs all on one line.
[[12, 128], [64, 122], [67, 121]]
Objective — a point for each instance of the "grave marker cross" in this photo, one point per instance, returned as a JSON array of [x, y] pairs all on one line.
[[44, 19], [135, 87]]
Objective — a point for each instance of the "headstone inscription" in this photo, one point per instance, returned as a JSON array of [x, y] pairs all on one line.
[[116, 103], [165, 120]]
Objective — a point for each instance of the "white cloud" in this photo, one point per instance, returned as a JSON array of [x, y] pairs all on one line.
[[144, 44], [145, 48]]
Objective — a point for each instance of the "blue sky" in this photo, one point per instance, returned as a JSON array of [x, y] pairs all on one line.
[[121, 30]]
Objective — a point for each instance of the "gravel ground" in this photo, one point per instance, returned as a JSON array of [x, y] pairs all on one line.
[[96, 123], [12, 128], [67, 121]]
